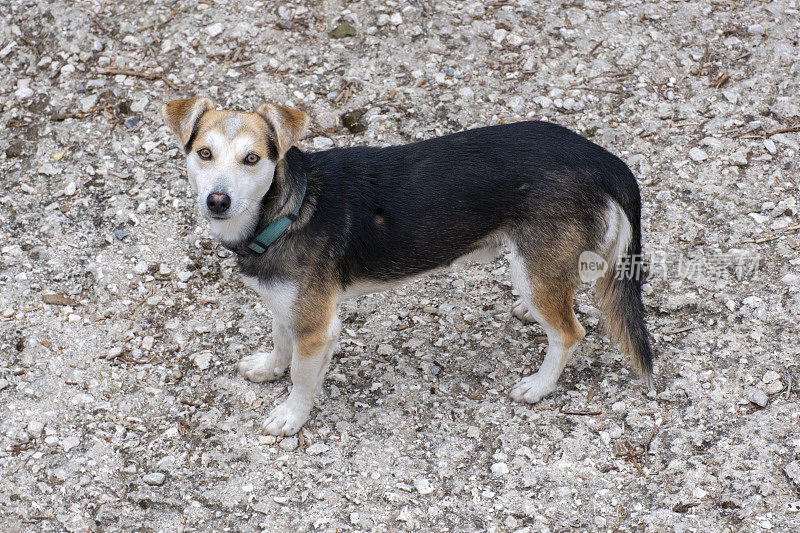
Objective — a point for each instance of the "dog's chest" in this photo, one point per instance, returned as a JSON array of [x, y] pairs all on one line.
[[279, 296]]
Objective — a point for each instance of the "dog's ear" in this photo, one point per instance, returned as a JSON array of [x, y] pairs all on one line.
[[289, 124], [182, 115]]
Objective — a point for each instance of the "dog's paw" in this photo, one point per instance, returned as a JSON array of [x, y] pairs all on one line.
[[286, 419], [261, 367], [521, 311], [533, 388]]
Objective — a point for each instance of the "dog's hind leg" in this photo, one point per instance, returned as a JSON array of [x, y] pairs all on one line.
[[547, 299]]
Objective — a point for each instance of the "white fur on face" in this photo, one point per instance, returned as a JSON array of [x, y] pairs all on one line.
[[226, 173]]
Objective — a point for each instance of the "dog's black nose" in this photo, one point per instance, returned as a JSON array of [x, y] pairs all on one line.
[[218, 203]]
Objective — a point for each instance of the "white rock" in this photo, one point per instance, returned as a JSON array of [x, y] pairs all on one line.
[[793, 471], [71, 188], [138, 105], [787, 204], [385, 349], [712, 142], [214, 29], [757, 397], [396, 19], [739, 157], [322, 143], [423, 486], [23, 90], [499, 35], [147, 342], [48, 169], [35, 428], [70, 442], [88, 102], [202, 360], [289, 443], [114, 352], [383, 19], [500, 469], [697, 154], [317, 448], [7, 49], [155, 478], [664, 110], [769, 144], [731, 95], [792, 280], [774, 387], [150, 145]]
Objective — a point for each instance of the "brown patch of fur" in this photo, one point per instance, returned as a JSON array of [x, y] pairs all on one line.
[[181, 115], [313, 314], [553, 300], [289, 124], [250, 125], [553, 271]]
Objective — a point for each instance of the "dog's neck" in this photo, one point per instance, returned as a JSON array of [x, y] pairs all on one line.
[[289, 189]]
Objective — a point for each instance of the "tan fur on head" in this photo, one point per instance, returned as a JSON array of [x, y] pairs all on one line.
[[182, 115], [289, 124]]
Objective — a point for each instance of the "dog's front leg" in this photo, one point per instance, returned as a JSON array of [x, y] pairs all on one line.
[[316, 341], [263, 366]]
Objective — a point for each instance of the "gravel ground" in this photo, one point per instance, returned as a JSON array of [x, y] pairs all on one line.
[[121, 321]]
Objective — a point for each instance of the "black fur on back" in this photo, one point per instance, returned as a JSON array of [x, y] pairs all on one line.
[[383, 214]]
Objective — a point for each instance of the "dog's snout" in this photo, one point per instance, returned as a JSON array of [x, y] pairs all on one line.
[[218, 203]]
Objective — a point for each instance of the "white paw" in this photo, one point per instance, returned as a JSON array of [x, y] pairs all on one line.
[[533, 388], [286, 419], [521, 311], [261, 367]]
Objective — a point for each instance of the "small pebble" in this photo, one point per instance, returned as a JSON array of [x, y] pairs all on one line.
[[154, 478], [322, 143], [696, 154], [423, 486], [500, 469], [202, 360], [214, 29], [147, 342], [758, 397], [132, 122], [288, 443], [774, 387]]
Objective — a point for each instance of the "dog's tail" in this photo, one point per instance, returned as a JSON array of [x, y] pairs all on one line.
[[620, 288]]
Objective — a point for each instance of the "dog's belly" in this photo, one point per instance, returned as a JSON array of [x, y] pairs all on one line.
[[484, 254]]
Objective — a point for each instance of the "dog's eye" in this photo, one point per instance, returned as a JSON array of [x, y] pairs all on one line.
[[251, 159], [204, 153]]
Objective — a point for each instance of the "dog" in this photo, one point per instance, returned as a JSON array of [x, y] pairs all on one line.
[[312, 229]]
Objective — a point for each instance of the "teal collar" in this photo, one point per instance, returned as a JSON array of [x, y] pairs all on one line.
[[274, 230]]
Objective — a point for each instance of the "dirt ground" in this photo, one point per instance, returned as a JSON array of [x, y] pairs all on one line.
[[121, 321]]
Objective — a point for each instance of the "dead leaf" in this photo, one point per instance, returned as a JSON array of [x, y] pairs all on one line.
[[57, 299]]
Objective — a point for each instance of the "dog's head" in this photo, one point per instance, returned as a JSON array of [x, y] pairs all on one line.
[[231, 157]]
